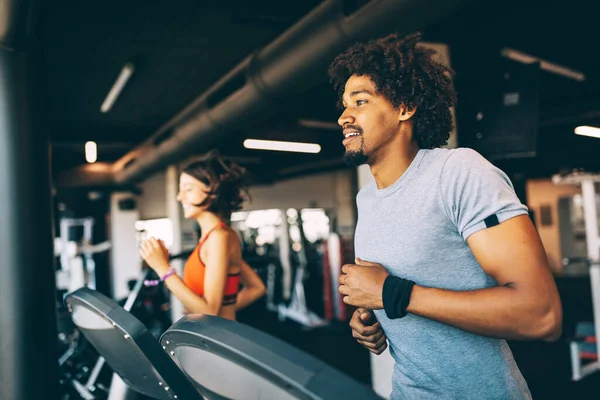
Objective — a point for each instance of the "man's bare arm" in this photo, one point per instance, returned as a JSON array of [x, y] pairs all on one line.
[[525, 305]]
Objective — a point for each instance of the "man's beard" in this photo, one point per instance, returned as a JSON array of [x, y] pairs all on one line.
[[355, 158]]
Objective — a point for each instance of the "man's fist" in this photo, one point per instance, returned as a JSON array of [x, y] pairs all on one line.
[[362, 284], [367, 331]]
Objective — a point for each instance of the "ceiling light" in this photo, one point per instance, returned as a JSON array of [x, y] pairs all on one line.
[[118, 86], [588, 131], [281, 146], [91, 152], [524, 58]]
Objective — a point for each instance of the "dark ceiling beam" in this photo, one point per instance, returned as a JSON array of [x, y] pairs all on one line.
[[88, 175], [572, 120], [304, 168], [71, 134], [297, 134], [79, 146], [570, 114]]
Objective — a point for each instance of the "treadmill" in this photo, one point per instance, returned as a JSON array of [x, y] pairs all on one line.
[[205, 357]]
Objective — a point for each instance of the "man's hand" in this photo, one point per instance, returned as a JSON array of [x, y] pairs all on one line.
[[362, 284], [367, 331], [156, 255]]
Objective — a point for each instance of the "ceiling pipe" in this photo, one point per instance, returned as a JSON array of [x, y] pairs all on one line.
[[293, 63]]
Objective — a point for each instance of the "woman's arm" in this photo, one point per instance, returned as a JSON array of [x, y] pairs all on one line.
[[217, 260], [254, 288], [192, 303]]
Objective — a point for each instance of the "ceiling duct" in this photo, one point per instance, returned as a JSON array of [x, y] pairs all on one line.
[[291, 64]]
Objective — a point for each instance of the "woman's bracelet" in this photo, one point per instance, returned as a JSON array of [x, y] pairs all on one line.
[[155, 282]]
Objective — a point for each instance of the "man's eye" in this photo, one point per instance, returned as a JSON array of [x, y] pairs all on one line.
[[361, 102]]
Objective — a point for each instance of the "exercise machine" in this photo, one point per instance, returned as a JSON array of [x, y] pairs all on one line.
[[297, 309], [585, 354], [89, 388], [77, 256], [85, 381], [287, 271], [205, 357]]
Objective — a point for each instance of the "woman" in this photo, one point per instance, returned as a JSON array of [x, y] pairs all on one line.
[[209, 191]]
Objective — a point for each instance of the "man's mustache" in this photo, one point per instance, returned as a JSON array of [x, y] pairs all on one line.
[[353, 127]]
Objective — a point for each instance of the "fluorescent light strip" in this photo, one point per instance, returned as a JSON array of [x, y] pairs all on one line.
[[588, 131], [524, 58], [118, 86], [91, 152], [297, 147]]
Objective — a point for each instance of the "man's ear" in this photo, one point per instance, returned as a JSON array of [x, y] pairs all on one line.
[[406, 112]]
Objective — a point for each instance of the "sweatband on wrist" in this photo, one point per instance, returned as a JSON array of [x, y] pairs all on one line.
[[396, 296]]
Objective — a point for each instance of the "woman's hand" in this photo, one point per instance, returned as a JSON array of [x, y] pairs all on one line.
[[254, 288], [156, 255]]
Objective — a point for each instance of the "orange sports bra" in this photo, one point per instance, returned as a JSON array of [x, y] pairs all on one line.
[[193, 274]]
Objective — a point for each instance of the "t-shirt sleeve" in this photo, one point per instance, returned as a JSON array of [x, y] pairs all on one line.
[[476, 194]]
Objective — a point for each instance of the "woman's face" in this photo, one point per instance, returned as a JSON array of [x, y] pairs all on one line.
[[191, 191]]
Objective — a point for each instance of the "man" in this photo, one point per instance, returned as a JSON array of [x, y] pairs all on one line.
[[447, 257]]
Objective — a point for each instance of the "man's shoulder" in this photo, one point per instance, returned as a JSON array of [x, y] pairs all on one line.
[[463, 158], [443, 161]]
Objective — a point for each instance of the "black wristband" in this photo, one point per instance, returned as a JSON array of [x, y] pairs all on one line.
[[396, 296]]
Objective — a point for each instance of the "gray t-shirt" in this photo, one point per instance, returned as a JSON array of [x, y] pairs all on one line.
[[417, 229]]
